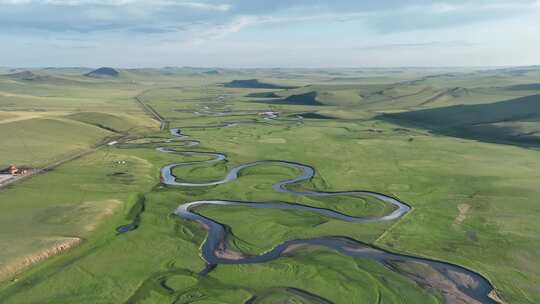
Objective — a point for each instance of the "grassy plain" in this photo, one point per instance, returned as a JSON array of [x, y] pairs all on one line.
[[37, 142], [72, 201], [474, 202], [54, 116]]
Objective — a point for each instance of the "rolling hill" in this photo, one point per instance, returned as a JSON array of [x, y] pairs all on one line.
[[114, 123], [515, 121], [104, 72], [24, 75], [36, 142], [307, 99], [254, 84]]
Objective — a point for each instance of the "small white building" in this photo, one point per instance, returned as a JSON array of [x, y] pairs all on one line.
[[269, 114]]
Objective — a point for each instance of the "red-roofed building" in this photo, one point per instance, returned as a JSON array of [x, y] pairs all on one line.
[[13, 170]]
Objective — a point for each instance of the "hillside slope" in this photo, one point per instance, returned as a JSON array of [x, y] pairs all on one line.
[[516, 120], [254, 84], [40, 141], [114, 123], [104, 72]]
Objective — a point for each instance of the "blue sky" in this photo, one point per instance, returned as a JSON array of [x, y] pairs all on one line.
[[277, 33]]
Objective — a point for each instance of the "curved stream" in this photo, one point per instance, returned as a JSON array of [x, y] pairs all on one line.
[[455, 283]]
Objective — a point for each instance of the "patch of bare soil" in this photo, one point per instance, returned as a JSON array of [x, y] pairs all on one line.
[[229, 254], [450, 284], [463, 211], [292, 248], [493, 295], [106, 210]]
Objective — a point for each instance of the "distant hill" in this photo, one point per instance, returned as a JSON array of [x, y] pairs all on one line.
[[75, 71], [263, 95], [524, 87], [103, 72], [519, 71], [25, 75], [212, 72], [254, 84], [45, 76], [308, 99], [516, 120]]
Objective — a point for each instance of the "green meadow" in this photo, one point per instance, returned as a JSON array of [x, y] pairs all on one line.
[[53, 117], [474, 194]]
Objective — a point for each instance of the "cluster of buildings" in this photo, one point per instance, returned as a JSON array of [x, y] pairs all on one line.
[[13, 171]]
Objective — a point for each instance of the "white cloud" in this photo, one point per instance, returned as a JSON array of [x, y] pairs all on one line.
[[222, 30], [187, 29], [445, 7], [212, 32], [449, 7], [15, 2], [187, 4], [203, 6]]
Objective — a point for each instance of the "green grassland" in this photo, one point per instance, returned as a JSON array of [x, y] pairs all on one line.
[[474, 200], [516, 120], [37, 142], [71, 201], [46, 117], [119, 123]]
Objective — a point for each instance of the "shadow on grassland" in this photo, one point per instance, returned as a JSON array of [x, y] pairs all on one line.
[[515, 121], [255, 84], [307, 99]]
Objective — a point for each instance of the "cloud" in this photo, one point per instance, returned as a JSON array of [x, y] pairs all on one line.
[[117, 3], [418, 45], [436, 15], [162, 16], [88, 16], [204, 6], [202, 26], [199, 36]]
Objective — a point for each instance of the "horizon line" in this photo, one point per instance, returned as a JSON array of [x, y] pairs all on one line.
[[268, 68]]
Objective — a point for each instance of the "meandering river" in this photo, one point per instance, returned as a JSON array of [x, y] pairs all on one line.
[[455, 283]]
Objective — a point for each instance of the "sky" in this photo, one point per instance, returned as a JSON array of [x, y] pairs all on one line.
[[269, 33]]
